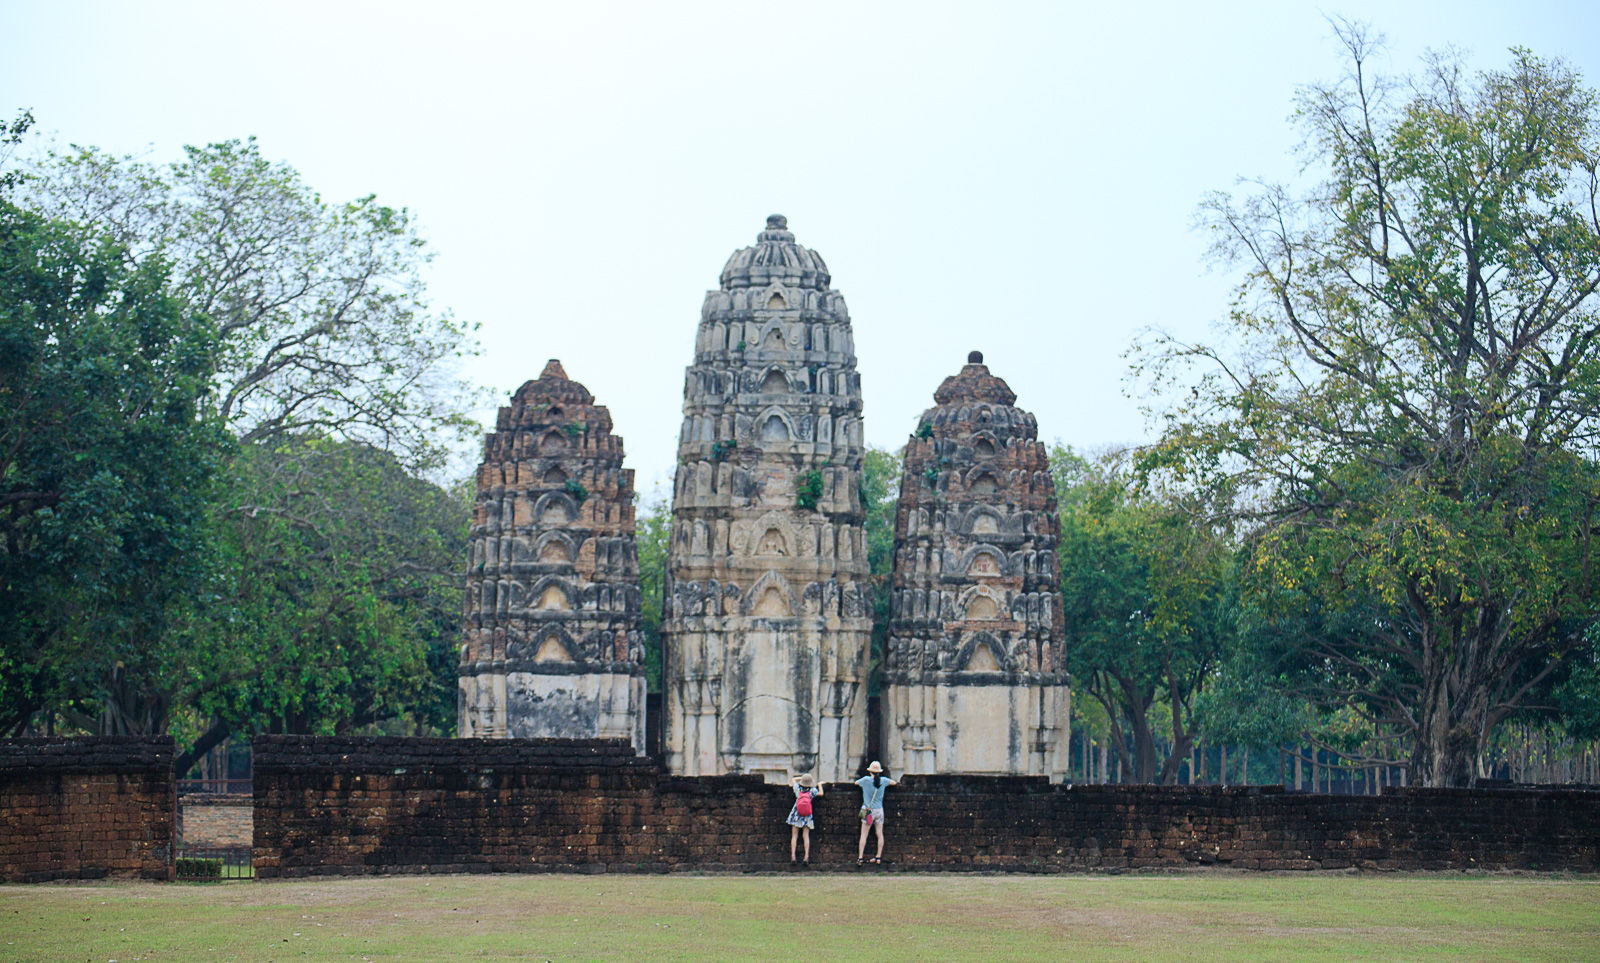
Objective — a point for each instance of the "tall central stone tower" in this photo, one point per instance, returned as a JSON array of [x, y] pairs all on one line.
[[767, 621]]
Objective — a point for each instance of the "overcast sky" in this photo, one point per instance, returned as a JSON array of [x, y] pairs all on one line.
[[1019, 178]]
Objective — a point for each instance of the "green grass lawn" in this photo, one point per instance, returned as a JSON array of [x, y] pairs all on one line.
[[1221, 916]]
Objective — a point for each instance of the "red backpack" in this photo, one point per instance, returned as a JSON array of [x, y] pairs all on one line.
[[802, 804]]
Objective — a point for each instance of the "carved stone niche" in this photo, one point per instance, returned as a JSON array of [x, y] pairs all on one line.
[[973, 678], [572, 664]]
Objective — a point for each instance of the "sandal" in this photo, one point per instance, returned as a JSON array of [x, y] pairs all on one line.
[[877, 860]]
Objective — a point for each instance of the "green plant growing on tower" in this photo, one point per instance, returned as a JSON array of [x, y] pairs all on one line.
[[721, 449], [575, 488], [808, 490], [572, 429]]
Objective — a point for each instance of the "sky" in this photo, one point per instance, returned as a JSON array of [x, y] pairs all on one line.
[[1016, 178]]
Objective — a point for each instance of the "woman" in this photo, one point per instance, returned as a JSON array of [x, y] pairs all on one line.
[[872, 786], [805, 791]]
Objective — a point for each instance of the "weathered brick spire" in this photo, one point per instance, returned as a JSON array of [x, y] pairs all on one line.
[[974, 676], [553, 646]]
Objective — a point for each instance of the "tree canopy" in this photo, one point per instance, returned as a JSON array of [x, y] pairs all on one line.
[[1410, 419], [107, 455], [320, 308], [226, 389], [1148, 598]]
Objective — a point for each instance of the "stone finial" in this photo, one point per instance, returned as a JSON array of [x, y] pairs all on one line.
[[553, 369], [974, 383], [777, 222]]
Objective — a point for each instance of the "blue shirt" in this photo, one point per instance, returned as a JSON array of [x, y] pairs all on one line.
[[872, 796]]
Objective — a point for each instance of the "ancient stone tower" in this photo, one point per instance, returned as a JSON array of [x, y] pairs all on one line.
[[553, 646], [974, 674], [766, 621]]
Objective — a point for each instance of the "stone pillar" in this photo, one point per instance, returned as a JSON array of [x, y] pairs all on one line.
[[974, 674], [553, 647], [766, 630]]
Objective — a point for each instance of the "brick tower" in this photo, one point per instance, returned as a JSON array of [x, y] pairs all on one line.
[[974, 675], [553, 646]]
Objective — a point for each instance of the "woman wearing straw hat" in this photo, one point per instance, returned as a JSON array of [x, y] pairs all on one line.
[[800, 815], [872, 786]]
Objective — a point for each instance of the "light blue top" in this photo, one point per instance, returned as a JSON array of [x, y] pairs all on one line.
[[872, 796]]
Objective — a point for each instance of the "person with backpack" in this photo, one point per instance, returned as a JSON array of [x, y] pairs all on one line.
[[800, 817], [872, 786]]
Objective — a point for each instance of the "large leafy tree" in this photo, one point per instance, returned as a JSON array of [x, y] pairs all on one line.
[[1411, 423], [325, 598], [1148, 598], [336, 604], [106, 459]]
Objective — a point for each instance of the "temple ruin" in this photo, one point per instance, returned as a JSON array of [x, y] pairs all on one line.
[[766, 621], [553, 647], [974, 675]]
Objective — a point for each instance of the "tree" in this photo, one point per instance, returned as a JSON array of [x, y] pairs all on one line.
[[106, 459], [653, 536], [880, 497], [321, 309], [1147, 591], [1411, 425], [334, 603], [322, 576]]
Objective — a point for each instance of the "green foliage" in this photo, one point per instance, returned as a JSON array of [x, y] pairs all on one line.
[[739, 346], [575, 488], [925, 430], [931, 476], [1149, 604], [808, 490], [1577, 696], [11, 135], [317, 591], [653, 535], [1411, 428], [199, 867], [106, 458], [334, 602], [572, 429], [880, 495], [722, 448]]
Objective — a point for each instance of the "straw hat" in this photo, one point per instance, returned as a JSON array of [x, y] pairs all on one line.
[[874, 767], [808, 781]]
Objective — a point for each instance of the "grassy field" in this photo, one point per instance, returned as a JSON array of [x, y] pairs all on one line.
[[877, 917]]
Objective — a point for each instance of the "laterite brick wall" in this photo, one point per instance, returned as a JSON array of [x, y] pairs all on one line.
[[353, 806], [86, 808]]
